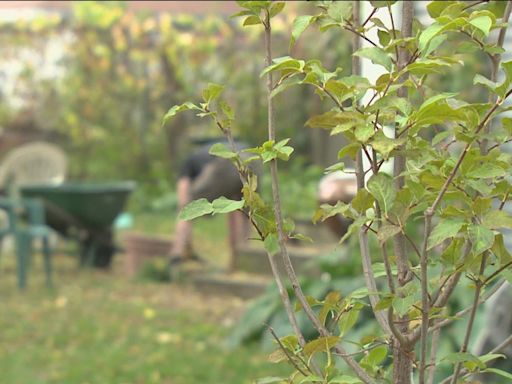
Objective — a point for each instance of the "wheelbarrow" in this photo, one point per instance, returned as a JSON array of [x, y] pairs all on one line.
[[85, 212]]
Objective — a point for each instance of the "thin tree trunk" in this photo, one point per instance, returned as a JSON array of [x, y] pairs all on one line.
[[402, 352]]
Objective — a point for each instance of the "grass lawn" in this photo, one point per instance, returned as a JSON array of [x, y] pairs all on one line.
[[101, 327]]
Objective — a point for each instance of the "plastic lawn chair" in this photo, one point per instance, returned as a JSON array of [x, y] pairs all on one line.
[[26, 222]]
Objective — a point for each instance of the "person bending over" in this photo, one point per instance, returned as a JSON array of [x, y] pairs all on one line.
[[206, 176]]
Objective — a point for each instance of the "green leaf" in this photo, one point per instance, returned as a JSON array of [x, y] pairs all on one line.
[[427, 67], [500, 250], [387, 231], [340, 166], [290, 342], [242, 13], [441, 136], [253, 5], [325, 211], [271, 380], [271, 244], [340, 10], [362, 201], [385, 145], [499, 372], [464, 357], [447, 228], [301, 237], [486, 170], [504, 87], [327, 120], [377, 355], [434, 44], [490, 357], [227, 110], [363, 133], [384, 37], [311, 379], [212, 92], [497, 219], [277, 356], [336, 120], [435, 99], [348, 320], [224, 205], [349, 150], [345, 379], [481, 238], [428, 34], [299, 26], [435, 8], [376, 55], [276, 8], [353, 228], [359, 293], [283, 151], [221, 150], [479, 79], [438, 113], [267, 156], [381, 186], [483, 23], [252, 20], [402, 305], [285, 85], [322, 344], [385, 302], [382, 3], [195, 209], [177, 109], [284, 63]]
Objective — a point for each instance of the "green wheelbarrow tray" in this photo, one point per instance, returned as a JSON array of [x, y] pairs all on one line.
[[85, 211]]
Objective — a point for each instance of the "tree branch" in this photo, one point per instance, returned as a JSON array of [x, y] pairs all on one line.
[[433, 353], [464, 347], [402, 365], [363, 235], [425, 305], [283, 292], [495, 64], [279, 220]]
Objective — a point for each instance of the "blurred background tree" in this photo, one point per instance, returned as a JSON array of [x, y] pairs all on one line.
[[113, 71]]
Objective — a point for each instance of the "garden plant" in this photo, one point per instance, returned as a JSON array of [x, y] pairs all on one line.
[[450, 178]]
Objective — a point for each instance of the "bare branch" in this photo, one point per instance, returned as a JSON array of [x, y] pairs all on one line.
[[474, 4], [433, 353], [369, 17], [363, 235], [425, 305], [469, 329]]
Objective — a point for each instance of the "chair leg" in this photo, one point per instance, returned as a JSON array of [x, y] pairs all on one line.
[[22, 251], [1, 246], [47, 261]]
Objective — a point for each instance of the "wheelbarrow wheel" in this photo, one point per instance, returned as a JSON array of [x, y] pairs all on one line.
[[98, 250]]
